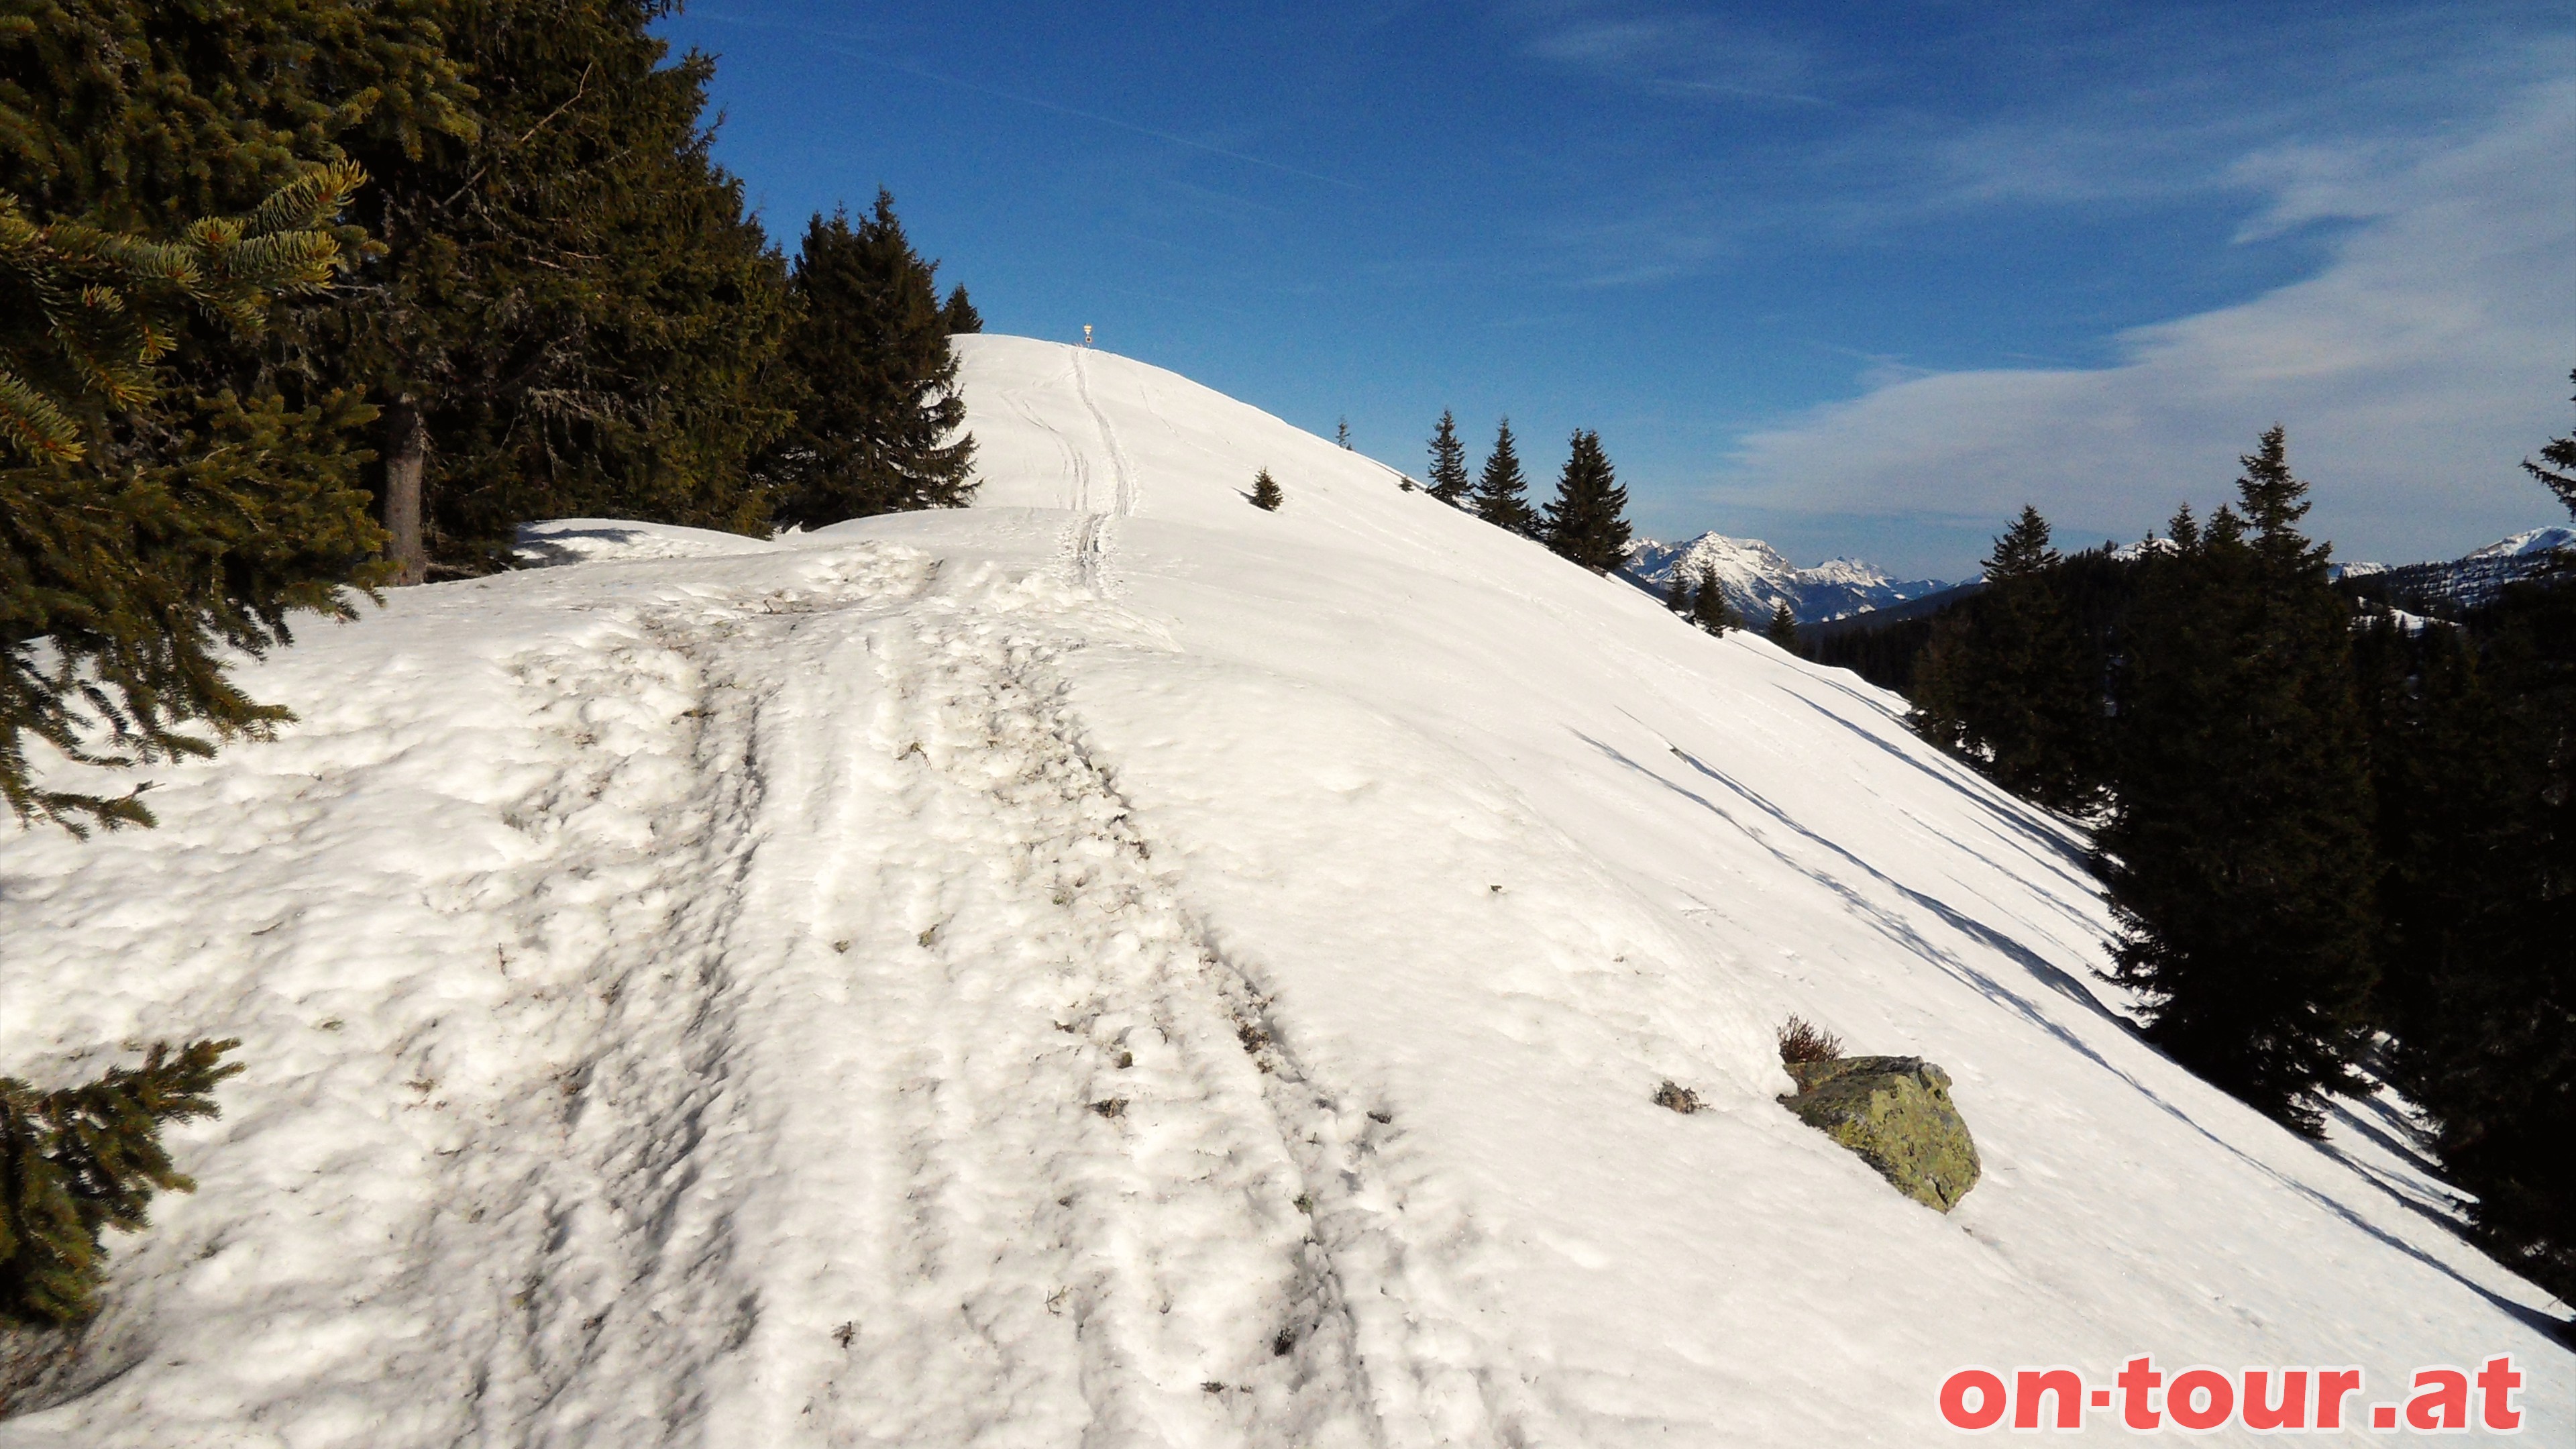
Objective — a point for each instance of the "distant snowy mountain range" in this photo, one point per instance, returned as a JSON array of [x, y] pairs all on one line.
[[2467, 582], [1757, 578]]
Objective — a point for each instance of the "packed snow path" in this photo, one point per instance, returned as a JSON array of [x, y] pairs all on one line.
[[1117, 967]]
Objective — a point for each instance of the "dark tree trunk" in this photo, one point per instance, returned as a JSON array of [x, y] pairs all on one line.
[[406, 445]]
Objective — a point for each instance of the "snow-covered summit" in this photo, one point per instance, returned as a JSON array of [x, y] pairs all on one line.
[[1757, 577], [2475, 578], [1116, 966], [2530, 542]]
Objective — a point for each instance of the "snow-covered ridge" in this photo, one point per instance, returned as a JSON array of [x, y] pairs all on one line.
[[1756, 578], [2529, 542], [2473, 579], [1116, 966]]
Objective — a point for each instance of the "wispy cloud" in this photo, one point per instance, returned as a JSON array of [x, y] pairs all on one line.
[[2064, 108], [1676, 51], [2412, 371]]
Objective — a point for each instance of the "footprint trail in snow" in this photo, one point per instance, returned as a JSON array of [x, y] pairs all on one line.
[[1102, 1203]]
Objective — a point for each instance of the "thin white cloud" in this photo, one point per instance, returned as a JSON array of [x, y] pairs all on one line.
[[1674, 51], [2412, 371], [2071, 109]]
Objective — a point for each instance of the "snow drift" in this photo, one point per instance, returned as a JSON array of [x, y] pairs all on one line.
[[1113, 966]]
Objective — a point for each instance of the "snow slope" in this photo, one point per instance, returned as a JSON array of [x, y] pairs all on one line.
[[1756, 577], [1117, 967]]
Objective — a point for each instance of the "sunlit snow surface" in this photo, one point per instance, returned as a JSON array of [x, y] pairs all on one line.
[[1117, 967]]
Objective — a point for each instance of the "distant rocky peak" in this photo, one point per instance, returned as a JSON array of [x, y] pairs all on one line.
[[1758, 578], [1851, 571]]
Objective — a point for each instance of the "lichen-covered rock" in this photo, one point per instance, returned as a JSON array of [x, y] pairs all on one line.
[[1897, 1114]]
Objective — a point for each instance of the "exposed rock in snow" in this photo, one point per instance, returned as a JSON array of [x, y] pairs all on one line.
[[1896, 1113], [1757, 578], [1113, 966]]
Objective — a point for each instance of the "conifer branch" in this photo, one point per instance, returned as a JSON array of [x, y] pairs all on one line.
[[80, 1160]]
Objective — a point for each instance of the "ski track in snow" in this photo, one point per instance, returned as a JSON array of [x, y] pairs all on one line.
[[1105, 1189], [1089, 546], [1123, 497], [1084, 551], [1077, 469]]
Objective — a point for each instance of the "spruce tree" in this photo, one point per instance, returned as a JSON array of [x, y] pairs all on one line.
[[2021, 552], [1448, 461], [959, 315], [571, 312], [2237, 855], [206, 507], [2487, 1033], [1501, 497], [1586, 522], [878, 411], [1943, 684], [2012, 686], [1783, 628], [1709, 608], [1265, 492], [1677, 592], [2474, 768]]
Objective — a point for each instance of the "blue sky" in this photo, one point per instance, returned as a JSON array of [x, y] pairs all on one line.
[[1853, 278]]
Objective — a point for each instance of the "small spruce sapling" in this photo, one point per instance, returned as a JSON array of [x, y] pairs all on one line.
[[1449, 480], [1585, 522], [83, 1159], [1501, 496], [1709, 608], [1783, 629], [1677, 592], [1265, 492]]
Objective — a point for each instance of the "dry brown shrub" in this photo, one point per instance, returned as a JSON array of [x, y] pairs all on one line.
[[1803, 1041]]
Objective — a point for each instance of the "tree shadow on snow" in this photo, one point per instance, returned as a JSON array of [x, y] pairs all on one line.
[[1903, 933], [1997, 803], [547, 548]]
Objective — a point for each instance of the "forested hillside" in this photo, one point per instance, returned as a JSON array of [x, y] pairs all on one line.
[[2337, 832]]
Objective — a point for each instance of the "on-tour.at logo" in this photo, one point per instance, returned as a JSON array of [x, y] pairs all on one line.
[[2444, 1398]]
